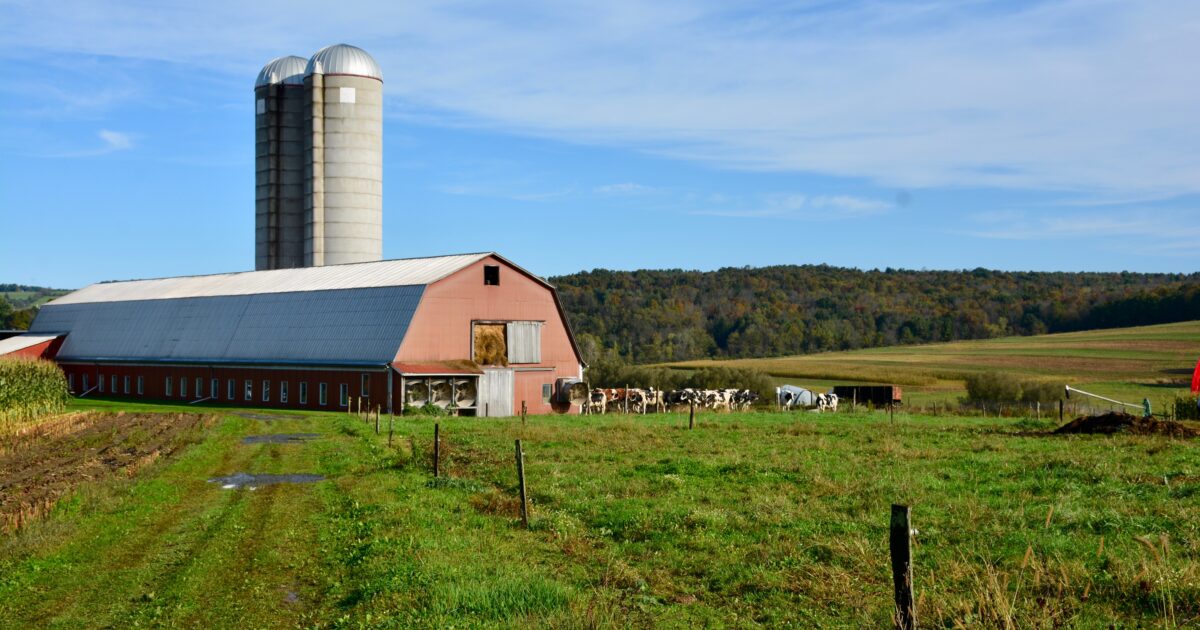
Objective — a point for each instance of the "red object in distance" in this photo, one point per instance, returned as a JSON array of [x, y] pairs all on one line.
[[1196, 379]]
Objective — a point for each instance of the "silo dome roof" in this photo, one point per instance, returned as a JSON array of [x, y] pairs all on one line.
[[344, 59], [287, 70]]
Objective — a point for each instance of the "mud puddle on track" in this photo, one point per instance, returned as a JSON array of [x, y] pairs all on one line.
[[246, 480], [280, 438], [263, 416]]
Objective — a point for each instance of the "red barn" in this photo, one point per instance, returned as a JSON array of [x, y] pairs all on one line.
[[472, 333]]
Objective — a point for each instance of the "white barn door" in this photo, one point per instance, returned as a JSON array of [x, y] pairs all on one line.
[[495, 393]]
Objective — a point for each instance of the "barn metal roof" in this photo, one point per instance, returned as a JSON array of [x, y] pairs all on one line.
[[385, 273], [356, 326], [20, 342]]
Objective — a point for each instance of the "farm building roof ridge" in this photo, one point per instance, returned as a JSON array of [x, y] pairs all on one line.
[[384, 273]]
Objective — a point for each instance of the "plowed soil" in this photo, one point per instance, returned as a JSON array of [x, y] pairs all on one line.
[[41, 465], [1117, 422]]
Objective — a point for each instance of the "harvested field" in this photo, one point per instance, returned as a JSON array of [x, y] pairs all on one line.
[[42, 463], [1118, 422]]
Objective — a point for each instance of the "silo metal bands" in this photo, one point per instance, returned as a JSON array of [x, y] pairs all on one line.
[[319, 160], [279, 130], [344, 157]]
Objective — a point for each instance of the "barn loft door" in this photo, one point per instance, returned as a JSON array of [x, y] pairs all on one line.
[[495, 393], [491, 347]]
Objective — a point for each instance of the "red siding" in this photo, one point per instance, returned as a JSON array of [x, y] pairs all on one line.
[[44, 350], [441, 327], [155, 384]]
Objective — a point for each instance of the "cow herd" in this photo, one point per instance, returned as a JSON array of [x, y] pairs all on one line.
[[631, 400]]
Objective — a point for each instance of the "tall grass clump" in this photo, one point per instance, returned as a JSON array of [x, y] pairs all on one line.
[[30, 388], [1002, 387]]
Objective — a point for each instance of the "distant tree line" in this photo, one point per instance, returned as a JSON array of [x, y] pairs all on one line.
[[19, 304], [673, 315]]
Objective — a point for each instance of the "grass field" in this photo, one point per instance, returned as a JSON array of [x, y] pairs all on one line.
[[1130, 363], [755, 519]]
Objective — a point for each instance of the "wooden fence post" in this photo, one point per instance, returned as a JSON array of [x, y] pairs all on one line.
[[437, 450], [390, 418], [692, 415], [376, 419], [521, 483], [892, 412], [523, 411], [1060, 410], [902, 574]]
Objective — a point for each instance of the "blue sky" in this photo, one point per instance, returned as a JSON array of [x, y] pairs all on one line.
[[1056, 135]]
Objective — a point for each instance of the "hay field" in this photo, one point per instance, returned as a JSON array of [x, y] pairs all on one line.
[[1148, 361]]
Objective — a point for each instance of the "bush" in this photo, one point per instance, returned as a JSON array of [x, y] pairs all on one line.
[[1186, 409], [1001, 387], [30, 388], [428, 409]]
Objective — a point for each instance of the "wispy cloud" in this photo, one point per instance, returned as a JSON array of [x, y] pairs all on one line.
[[497, 192], [798, 206], [1159, 231], [116, 140], [110, 142], [624, 188], [1054, 94]]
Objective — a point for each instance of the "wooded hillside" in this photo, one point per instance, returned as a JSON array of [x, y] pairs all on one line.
[[673, 315]]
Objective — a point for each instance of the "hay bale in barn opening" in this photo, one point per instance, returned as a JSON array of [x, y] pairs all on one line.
[[490, 345]]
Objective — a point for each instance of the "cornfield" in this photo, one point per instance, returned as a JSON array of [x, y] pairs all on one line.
[[29, 389]]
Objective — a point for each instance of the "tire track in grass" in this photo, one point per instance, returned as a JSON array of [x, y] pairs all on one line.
[[142, 569]]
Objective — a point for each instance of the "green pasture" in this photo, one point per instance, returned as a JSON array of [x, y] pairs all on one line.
[[749, 520]]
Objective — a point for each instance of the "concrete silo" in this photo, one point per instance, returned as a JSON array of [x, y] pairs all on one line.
[[343, 177], [280, 129]]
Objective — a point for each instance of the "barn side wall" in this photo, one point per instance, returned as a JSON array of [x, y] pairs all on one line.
[[44, 350], [154, 384], [441, 327]]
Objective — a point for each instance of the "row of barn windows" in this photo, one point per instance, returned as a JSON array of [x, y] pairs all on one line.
[[121, 384]]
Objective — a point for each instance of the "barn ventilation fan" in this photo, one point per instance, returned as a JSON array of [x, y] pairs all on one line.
[[465, 392], [572, 390], [417, 394], [440, 392]]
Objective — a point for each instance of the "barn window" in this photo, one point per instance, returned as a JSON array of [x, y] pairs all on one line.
[[231, 389], [71, 382], [266, 391], [524, 342], [183, 387], [199, 386], [166, 387], [491, 275], [323, 394], [125, 387], [303, 393], [100, 382], [343, 394], [249, 393], [141, 385], [547, 389], [214, 389], [85, 383], [282, 391], [114, 383], [366, 385]]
